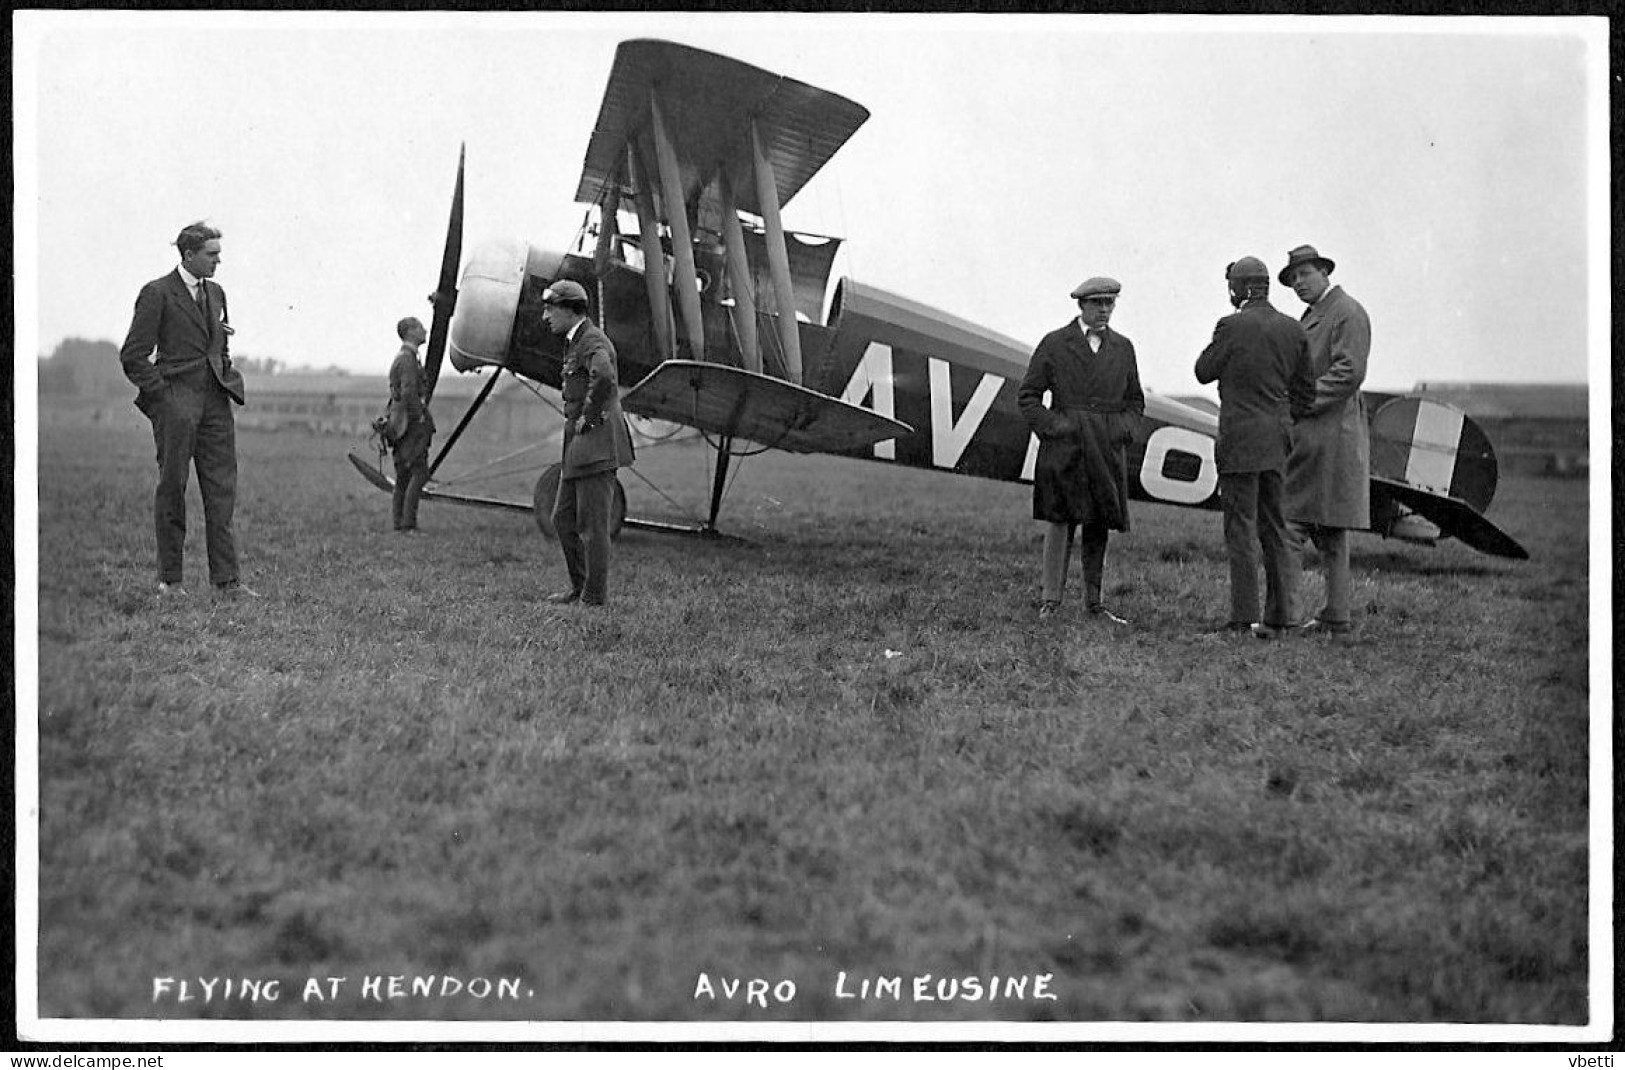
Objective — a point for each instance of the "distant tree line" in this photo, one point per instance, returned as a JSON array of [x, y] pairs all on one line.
[[80, 366]]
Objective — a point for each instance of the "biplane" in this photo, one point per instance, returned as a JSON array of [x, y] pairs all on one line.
[[717, 313]]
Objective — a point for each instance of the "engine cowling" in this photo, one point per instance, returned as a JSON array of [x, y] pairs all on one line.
[[494, 275]]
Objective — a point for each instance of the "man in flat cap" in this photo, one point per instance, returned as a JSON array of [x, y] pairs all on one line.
[[1080, 481], [1260, 358], [596, 443], [1328, 475]]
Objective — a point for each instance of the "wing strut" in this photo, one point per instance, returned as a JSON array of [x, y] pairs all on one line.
[[739, 276], [685, 277], [778, 258], [719, 481], [457, 432], [654, 260]]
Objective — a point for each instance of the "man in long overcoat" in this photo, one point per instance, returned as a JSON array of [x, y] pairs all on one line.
[[1080, 480], [1328, 475], [1260, 359], [409, 412], [178, 355], [596, 443]]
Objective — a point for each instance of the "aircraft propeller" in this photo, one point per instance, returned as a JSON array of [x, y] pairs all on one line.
[[444, 298]]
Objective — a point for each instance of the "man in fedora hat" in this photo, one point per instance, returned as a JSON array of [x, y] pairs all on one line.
[[1080, 481], [596, 443], [1260, 358], [1328, 475]]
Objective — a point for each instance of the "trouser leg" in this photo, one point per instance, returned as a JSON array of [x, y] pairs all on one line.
[[216, 458], [411, 473], [1297, 534], [1334, 551], [565, 521], [1276, 542], [1093, 543], [1057, 554], [594, 501], [1239, 498], [175, 431], [414, 493], [397, 499]]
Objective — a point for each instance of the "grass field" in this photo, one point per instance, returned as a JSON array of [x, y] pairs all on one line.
[[846, 745]]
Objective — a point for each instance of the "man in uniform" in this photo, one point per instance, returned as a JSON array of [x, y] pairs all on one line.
[[1080, 481], [1328, 475], [178, 356], [596, 443], [1260, 359], [410, 425]]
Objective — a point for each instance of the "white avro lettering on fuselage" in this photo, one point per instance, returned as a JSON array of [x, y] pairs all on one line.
[[873, 375], [948, 438], [873, 380], [1163, 441]]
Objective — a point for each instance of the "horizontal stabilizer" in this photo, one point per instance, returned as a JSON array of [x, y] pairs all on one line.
[[723, 400], [1453, 516]]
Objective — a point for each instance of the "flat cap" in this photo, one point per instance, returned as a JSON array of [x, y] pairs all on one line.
[[1099, 286], [564, 292]]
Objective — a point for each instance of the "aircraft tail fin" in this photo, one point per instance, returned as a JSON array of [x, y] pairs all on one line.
[[1434, 447], [1433, 473]]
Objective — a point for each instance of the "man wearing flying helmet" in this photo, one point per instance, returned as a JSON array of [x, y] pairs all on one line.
[[596, 443], [1260, 359]]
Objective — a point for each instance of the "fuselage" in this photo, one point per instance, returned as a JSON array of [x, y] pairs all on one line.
[[952, 382]]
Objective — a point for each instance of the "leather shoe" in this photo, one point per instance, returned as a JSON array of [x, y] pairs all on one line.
[[1326, 627], [234, 589], [1266, 631], [564, 598], [171, 590], [1106, 614], [592, 601], [1048, 609]]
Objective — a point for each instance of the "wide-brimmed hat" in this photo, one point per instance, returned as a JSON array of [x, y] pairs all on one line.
[[1098, 286], [1304, 254]]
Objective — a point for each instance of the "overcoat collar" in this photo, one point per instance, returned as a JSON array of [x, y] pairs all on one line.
[[1328, 301], [1077, 339]]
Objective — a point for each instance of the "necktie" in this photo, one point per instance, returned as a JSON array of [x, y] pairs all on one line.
[[202, 298]]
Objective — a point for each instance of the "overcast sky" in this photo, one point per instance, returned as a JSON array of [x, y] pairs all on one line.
[[1455, 169]]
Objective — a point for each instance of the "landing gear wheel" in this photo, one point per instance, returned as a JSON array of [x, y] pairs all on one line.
[[547, 492]]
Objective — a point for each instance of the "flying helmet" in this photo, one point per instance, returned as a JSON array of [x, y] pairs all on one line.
[[1248, 278]]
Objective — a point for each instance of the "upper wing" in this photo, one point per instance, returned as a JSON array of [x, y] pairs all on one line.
[[708, 102]]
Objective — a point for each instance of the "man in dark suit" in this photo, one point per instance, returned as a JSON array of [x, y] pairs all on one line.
[[1080, 481], [596, 443], [410, 424], [178, 356], [1260, 358]]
